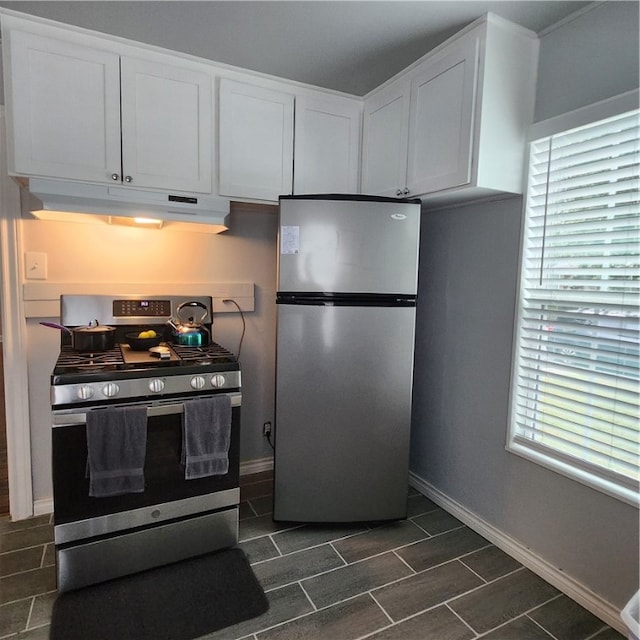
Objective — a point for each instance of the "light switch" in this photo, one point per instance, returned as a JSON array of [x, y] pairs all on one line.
[[35, 265]]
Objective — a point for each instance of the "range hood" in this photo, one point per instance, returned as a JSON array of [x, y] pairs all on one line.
[[66, 200]]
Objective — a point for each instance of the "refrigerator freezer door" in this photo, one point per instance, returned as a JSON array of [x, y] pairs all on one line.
[[343, 413], [350, 246]]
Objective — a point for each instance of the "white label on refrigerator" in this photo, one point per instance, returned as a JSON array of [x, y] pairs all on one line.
[[289, 239]]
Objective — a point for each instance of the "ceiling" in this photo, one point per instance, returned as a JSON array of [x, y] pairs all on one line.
[[348, 45]]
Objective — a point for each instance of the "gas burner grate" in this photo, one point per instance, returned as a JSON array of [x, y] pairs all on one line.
[[89, 361], [211, 352]]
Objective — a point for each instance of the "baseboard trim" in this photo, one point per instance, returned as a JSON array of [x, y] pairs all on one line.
[[42, 507], [554, 576], [256, 466]]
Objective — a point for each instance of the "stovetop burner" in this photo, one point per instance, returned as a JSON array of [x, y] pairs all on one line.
[[75, 362], [71, 360]]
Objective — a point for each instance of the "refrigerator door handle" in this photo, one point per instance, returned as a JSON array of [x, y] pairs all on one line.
[[346, 299]]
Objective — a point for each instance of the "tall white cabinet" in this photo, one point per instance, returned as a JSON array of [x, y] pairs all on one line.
[[453, 125]]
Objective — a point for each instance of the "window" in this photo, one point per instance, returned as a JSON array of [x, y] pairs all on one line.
[[575, 387]]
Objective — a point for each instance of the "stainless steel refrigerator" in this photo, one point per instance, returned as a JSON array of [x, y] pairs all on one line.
[[346, 302]]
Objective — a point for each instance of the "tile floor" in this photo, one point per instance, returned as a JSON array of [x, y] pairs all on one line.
[[429, 577]]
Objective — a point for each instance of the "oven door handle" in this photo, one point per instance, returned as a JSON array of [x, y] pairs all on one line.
[[63, 419]]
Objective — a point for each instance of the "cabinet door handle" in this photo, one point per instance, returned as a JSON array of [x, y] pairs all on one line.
[[115, 176], [406, 192], [398, 192], [128, 179]]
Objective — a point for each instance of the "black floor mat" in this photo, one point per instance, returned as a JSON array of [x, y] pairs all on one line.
[[181, 601]]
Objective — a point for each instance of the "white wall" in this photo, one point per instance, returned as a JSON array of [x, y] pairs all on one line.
[[469, 262], [88, 253]]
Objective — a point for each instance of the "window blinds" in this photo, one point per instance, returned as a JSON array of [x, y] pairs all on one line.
[[575, 395]]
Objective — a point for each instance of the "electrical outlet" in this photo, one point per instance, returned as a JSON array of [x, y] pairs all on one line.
[[266, 429], [35, 264]]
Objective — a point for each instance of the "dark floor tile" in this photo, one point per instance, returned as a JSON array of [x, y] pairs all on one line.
[[259, 549], [425, 590], [245, 511], [417, 504], [41, 611], [496, 602], [520, 629], [23, 538], [261, 526], [491, 563], [565, 619], [29, 583], [262, 506], [354, 579], [21, 560], [378, 540], [256, 490], [436, 624], [284, 604], [14, 616], [7, 525], [313, 535], [49, 557], [441, 548], [344, 621], [296, 566], [41, 633], [608, 634], [437, 521]]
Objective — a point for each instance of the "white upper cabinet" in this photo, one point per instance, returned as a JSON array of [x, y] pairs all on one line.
[[256, 141], [453, 125], [385, 139], [441, 120], [84, 112], [167, 124], [63, 109], [327, 145]]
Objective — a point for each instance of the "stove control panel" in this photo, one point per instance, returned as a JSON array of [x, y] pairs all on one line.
[[142, 308], [139, 388]]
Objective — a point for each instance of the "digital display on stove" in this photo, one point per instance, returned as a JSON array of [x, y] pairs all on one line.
[[144, 308]]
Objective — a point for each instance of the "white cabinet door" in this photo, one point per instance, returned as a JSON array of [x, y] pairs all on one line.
[[64, 102], [441, 120], [327, 145], [256, 141], [385, 139], [166, 126]]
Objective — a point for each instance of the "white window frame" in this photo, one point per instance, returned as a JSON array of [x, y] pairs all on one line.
[[515, 443]]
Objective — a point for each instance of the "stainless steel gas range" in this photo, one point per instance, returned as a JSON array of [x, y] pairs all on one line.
[[145, 443]]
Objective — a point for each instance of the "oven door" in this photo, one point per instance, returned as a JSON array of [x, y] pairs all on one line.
[[168, 496]]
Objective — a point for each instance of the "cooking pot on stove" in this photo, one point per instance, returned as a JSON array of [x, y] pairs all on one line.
[[93, 338], [188, 327]]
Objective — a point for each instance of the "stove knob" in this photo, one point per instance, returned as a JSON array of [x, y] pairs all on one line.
[[156, 385], [85, 392], [110, 390], [197, 382], [217, 381]]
